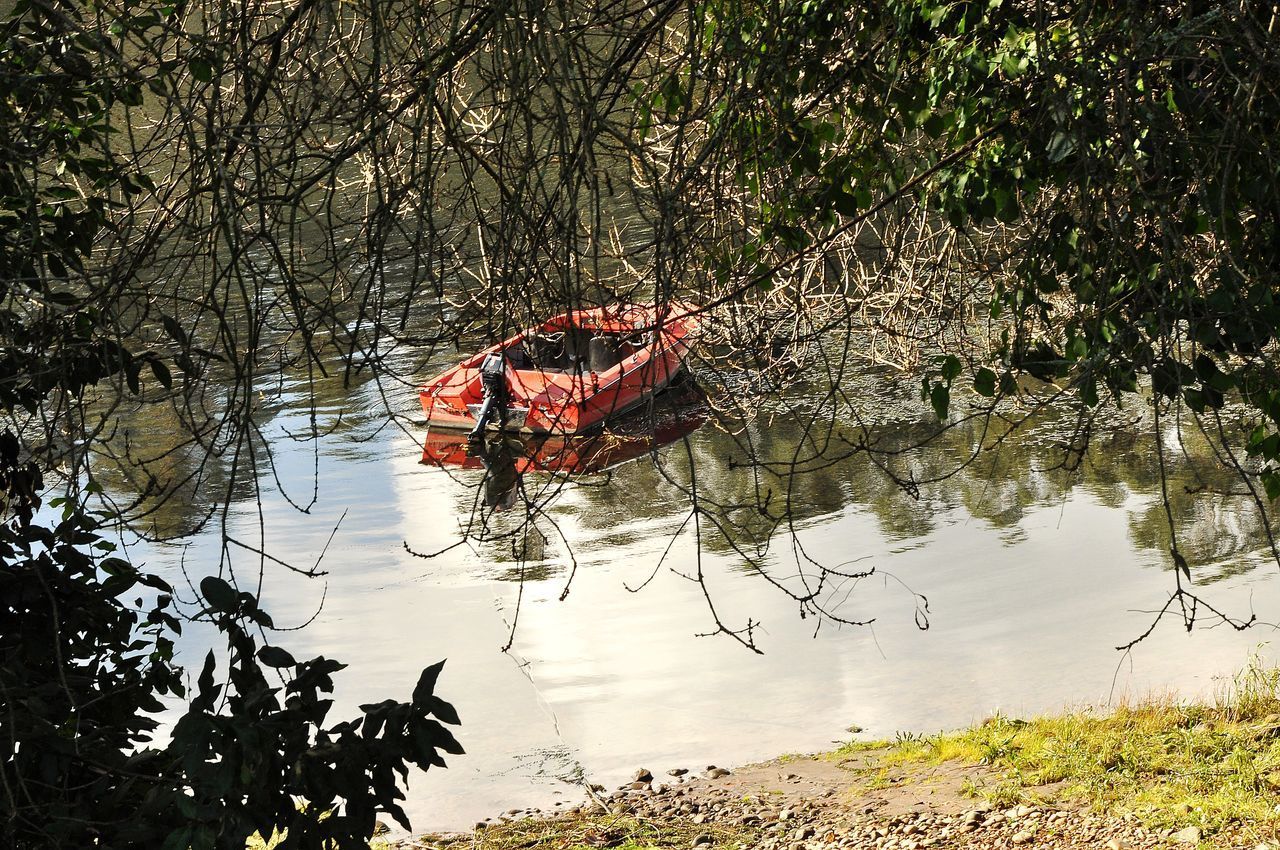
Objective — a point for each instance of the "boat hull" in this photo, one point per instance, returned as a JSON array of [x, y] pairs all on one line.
[[570, 374], [568, 454]]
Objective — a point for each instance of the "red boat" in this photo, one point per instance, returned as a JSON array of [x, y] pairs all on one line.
[[566, 376], [567, 454]]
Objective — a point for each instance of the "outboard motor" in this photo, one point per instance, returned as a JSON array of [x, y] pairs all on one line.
[[493, 381]]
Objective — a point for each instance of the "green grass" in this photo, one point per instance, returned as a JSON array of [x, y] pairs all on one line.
[[256, 843], [1215, 766], [593, 831], [1173, 765]]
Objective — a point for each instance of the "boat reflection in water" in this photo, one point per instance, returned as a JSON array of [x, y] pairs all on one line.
[[507, 457]]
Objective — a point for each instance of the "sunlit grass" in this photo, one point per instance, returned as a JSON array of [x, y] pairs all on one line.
[[1215, 766], [255, 842], [1171, 764], [588, 831]]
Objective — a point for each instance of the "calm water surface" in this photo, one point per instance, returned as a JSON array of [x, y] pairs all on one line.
[[1032, 577]]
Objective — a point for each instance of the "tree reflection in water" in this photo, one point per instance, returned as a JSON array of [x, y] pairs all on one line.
[[759, 482], [752, 488]]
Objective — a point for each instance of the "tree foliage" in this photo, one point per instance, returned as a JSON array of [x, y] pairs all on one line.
[[204, 206], [84, 667], [83, 671], [1108, 169], [1113, 162]]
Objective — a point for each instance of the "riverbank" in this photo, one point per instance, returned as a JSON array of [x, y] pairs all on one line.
[[1151, 775]]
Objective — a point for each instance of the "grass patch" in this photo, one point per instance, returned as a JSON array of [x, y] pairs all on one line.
[[593, 831], [852, 748], [1173, 765], [256, 842]]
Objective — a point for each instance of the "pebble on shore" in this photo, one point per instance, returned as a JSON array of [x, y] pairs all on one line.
[[820, 818]]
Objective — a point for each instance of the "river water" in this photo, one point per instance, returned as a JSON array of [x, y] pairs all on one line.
[[1026, 576]]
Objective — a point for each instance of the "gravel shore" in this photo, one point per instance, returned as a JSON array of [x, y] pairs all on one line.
[[816, 803]]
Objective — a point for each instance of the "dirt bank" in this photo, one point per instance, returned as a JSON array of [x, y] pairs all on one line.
[[854, 801]]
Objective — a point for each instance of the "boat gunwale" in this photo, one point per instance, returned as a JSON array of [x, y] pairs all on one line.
[[574, 389]]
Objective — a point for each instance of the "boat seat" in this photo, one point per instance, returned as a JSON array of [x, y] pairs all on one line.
[[631, 345], [604, 353], [518, 357], [577, 343], [547, 351]]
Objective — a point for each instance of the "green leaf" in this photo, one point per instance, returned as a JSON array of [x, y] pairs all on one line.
[[845, 203], [220, 595], [950, 368], [1089, 392], [1077, 348], [274, 656], [208, 689], [984, 383], [1271, 483], [59, 270], [174, 330], [130, 95], [940, 398], [1060, 146], [427, 683], [1256, 436], [935, 125], [161, 372], [443, 710], [201, 69], [179, 839], [442, 738]]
